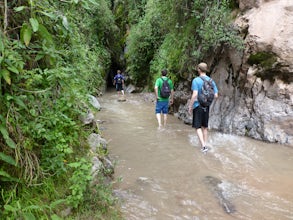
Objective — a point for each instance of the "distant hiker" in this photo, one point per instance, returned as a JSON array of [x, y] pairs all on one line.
[[119, 82], [164, 91], [200, 111]]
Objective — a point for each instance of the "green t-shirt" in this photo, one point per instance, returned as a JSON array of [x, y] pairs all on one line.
[[159, 83]]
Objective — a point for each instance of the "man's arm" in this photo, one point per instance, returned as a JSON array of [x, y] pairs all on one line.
[[216, 90], [114, 80], [156, 92], [123, 79], [192, 100], [171, 99], [156, 88]]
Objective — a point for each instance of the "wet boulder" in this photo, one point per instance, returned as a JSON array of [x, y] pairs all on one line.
[[94, 102]]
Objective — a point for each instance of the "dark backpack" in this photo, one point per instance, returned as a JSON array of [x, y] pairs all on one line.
[[119, 80], [165, 89], [206, 97]]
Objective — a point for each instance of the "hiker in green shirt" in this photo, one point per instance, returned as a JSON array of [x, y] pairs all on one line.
[[164, 91]]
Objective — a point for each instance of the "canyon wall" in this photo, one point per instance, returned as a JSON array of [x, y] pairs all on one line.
[[256, 89]]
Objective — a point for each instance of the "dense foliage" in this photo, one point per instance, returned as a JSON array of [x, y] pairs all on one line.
[[175, 35], [52, 54]]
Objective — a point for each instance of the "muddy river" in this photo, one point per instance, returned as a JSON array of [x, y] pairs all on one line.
[[161, 174]]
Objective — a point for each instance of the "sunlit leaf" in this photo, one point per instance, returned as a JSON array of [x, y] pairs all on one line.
[[4, 176], [35, 24], [5, 135], [65, 22], [6, 75], [56, 203], [55, 217], [85, 5], [50, 15], [1, 46], [4, 132], [13, 69], [7, 159], [18, 9], [33, 112], [10, 143], [29, 216], [26, 34], [3, 173], [9, 97], [19, 102], [74, 165], [9, 207], [39, 56], [94, 2], [44, 33]]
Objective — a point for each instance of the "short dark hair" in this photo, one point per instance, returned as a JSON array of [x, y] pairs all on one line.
[[164, 72]]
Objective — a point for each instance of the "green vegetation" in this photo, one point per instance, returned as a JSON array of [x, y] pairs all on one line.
[[270, 69], [176, 35], [54, 53], [266, 60]]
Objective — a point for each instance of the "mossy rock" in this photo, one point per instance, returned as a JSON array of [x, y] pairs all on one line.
[[265, 59]]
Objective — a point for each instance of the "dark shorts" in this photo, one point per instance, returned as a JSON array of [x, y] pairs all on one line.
[[200, 117], [119, 86], [162, 107]]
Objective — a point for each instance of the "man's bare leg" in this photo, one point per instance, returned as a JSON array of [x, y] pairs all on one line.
[[200, 135], [165, 120], [205, 135], [158, 115]]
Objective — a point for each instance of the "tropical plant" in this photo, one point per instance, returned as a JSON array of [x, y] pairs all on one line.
[[176, 35], [52, 54]]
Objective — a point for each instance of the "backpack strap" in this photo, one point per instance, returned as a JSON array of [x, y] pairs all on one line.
[[204, 79], [163, 80]]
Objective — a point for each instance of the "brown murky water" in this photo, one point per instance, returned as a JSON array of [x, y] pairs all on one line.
[[163, 174]]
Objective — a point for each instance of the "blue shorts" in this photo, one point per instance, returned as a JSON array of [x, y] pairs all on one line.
[[162, 107]]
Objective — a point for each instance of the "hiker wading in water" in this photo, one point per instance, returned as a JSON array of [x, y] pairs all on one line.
[[200, 113], [119, 82], [163, 100]]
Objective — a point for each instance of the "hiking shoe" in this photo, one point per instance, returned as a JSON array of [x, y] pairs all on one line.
[[204, 149]]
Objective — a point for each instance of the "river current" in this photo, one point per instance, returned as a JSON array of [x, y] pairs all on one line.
[[162, 175]]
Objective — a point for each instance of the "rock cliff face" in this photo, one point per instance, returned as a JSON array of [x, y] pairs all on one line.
[[256, 89]]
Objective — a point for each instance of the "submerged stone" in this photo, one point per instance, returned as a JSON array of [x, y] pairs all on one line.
[[121, 99], [213, 185]]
